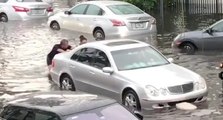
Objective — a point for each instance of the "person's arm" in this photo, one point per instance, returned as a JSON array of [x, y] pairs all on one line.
[[60, 50], [70, 47]]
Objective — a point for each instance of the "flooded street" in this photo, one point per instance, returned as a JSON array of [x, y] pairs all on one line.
[[25, 44]]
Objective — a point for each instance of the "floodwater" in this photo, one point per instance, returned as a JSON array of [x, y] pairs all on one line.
[[25, 44]]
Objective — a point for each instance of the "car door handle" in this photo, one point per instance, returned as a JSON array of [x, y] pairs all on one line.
[[91, 72], [94, 19]]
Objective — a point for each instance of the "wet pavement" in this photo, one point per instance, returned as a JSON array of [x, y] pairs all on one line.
[[25, 44]]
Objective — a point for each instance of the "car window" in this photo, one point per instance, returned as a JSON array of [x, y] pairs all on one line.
[[125, 9], [80, 9], [45, 116], [84, 56], [13, 113], [218, 27], [101, 60], [76, 55], [29, 0], [94, 10], [3, 1], [136, 58], [109, 112]]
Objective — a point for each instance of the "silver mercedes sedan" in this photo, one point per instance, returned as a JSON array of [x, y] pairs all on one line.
[[105, 19], [130, 71]]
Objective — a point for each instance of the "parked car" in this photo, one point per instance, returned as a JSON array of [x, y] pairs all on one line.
[[60, 105], [132, 72], [24, 10], [207, 39], [105, 19]]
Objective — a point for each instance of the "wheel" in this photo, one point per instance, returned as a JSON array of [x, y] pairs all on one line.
[[55, 25], [3, 18], [67, 83], [220, 75], [188, 48], [99, 34], [131, 101]]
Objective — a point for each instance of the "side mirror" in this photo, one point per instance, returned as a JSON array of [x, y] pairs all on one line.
[[171, 60], [138, 115], [67, 13], [107, 70], [209, 31]]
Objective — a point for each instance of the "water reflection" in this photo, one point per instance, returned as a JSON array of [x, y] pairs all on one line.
[[23, 51]]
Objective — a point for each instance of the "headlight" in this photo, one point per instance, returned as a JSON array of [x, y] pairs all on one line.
[[152, 91], [200, 84]]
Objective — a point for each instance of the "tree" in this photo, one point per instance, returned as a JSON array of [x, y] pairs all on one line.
[[143, 4]]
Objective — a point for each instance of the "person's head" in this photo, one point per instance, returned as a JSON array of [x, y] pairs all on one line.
[[83, 40], [64, 44]]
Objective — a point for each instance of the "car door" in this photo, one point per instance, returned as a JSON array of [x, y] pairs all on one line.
[[14, 113], [214, 39], [105, 83], [92, 18], [80, 67], [72, 21]]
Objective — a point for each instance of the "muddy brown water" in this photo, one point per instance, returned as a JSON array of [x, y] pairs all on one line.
[[25, 44]]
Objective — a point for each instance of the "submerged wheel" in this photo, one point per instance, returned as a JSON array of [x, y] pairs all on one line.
[[220, 75], [66, 83], [99, 34], [131, 101], [55, 25], [3, 18], [188, 48]]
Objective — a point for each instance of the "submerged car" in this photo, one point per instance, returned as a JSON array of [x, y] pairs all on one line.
[[207, 39], [24, 10], [61, 105], [130, 71], [105, 19]]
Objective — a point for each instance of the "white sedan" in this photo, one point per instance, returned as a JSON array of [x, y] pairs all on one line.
[[105, 19]]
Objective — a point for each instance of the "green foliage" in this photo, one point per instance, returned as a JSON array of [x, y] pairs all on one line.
[[143, 4]]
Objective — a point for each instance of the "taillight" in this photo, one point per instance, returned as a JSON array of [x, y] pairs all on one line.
[[49, 9], [20, 9], [154, 21], [53, 64], [117, 22]]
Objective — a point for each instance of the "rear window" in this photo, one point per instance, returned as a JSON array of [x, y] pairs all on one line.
[[125, 9], [29, 0]]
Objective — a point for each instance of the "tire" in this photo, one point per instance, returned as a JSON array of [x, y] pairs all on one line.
[[99, 34], [3, 18], [55, 25], [188, 48], [131, 101], [220, 75], [66, 83]]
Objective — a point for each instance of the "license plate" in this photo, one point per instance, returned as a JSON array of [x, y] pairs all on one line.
[[37, 12], [139, 25]]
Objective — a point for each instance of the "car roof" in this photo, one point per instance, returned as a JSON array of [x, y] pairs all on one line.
[[105, 2], [61, 102], [116, 44]]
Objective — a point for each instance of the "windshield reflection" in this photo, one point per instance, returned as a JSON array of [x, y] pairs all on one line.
[[137, 58]]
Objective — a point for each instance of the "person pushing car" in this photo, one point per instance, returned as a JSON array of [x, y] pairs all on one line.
[[58, 48]]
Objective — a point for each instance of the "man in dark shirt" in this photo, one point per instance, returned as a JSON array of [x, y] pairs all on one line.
[[58, 48]]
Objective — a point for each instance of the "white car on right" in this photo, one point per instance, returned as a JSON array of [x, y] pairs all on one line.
[[105, 19]]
